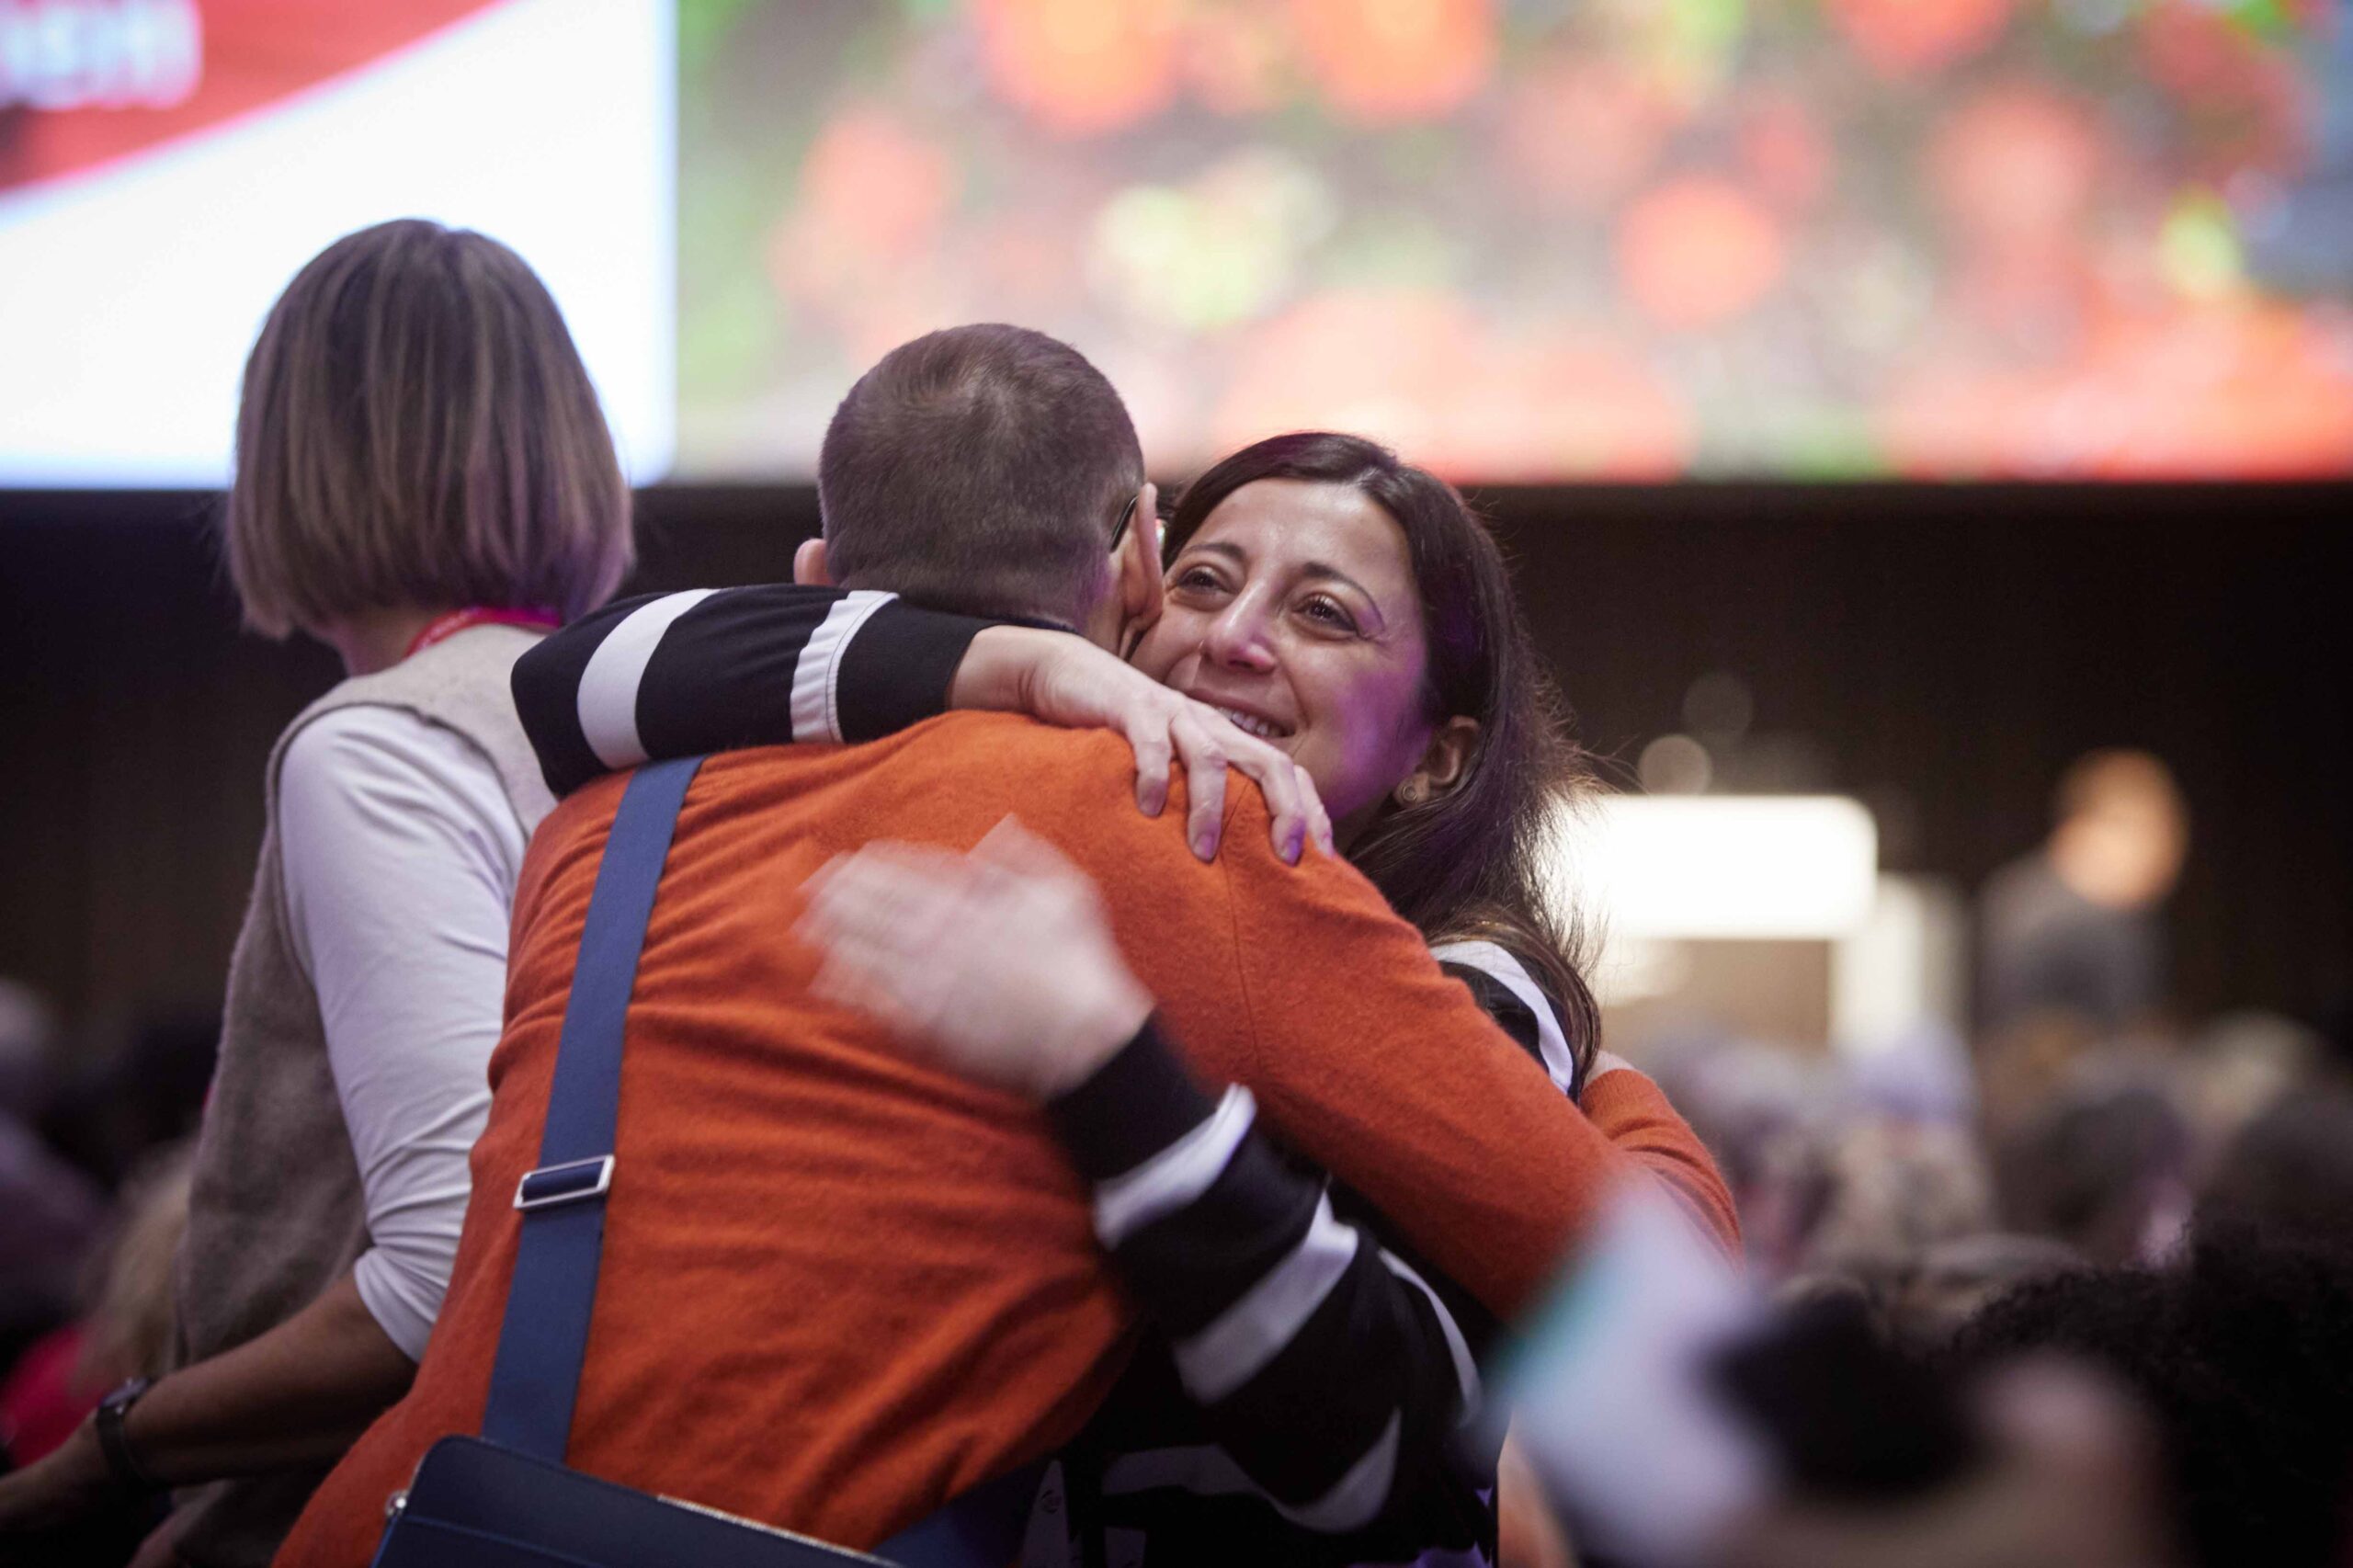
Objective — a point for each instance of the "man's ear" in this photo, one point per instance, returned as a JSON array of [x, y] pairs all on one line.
[[808, 565], [1443, 763], [1135, 568]]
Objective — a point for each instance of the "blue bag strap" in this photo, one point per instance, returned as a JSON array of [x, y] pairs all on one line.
[[543, 1342], [544, 1339]]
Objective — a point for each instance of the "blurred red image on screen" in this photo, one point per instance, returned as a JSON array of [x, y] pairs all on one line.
[[1907, 38], [1079, 66], [1698, 252], [86, 81], [1624, 240], [167, 165]]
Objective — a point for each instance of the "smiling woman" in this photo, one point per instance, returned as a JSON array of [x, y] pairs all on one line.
[[1353, 606], [1293, 612]]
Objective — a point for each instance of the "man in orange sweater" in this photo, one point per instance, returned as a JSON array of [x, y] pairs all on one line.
[[840, 1289]]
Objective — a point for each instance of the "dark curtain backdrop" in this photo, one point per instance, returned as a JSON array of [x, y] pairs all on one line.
[[1940, 652]]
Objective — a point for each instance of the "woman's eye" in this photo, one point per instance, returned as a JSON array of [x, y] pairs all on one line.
[[1327, 612], [1199, 578]]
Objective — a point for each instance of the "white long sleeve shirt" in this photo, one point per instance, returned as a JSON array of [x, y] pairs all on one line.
[[401, 854]]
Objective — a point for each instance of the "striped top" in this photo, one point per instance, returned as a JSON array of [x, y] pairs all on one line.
[[678, 675], [1310, 1391]]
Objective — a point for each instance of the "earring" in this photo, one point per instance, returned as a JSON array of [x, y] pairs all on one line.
[[1413, 792]]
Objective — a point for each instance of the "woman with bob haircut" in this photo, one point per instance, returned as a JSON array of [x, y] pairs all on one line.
[[1349, 609], [424, 482]]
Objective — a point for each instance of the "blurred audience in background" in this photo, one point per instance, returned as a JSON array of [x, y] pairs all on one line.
[[123, 1326], [93, 1200], [48, 1209], [2237, 1352], [2122, 1244], [93, 1193], [118, 1102], [2138, 1225]]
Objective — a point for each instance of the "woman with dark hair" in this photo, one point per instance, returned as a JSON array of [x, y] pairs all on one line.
[[1347, 610], [1460, 855]]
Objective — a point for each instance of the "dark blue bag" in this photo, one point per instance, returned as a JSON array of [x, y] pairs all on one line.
[[504, 1499]]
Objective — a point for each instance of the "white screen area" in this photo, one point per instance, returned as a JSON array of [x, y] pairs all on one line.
[[131, 289]]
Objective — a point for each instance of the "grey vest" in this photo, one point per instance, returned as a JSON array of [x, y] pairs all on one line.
[[276, 1213]]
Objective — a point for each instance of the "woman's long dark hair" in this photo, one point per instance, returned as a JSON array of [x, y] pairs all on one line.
[[1468, 864]]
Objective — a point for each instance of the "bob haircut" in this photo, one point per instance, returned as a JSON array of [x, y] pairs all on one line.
[[1467, 863], [417, 432]]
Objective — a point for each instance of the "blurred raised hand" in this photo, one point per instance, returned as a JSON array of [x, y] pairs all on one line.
[[998, 965]]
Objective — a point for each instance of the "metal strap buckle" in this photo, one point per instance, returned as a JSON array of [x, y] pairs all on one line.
[[568, 1183]]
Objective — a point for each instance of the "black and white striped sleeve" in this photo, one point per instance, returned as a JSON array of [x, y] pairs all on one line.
[[673, 675], [1327, 1369], [1522, 1008]]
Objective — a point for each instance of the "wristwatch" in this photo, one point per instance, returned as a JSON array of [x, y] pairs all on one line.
[[132, 1475]]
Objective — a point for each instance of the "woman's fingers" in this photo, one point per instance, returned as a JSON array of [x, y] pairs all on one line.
[[1147, 733], [1205, 753], [1279, 779], [880, 977], [1209, 743], [1083, 686]]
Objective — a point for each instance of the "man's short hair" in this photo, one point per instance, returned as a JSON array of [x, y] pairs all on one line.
[[417, 431], [980, 468]]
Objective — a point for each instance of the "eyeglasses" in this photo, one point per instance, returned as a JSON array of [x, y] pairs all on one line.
[[1127, 515]]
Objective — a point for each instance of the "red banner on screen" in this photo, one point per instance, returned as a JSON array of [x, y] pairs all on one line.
[[86, 82]]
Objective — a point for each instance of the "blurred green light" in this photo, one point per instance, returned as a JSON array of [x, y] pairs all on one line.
[[1707, 29], [2198, 247], [2267, 20]]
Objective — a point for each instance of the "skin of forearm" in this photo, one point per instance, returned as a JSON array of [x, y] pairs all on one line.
[[300, 1395], [995, 668]]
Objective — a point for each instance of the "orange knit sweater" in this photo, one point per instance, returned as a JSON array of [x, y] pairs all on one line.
[[838, 1288]]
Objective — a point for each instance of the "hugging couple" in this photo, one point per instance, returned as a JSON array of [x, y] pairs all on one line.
[[972, 1116]]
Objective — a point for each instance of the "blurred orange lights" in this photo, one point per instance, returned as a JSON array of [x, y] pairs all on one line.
[[1081, 67], [1585, 132], [1912, 38], [2244, 389], [1561, 239], [873, 183], [1784, 150], [2015, 165], [1235, 60], [1543, 411], [1381, 361], [1697, 252], [1383, 61], [1419, 370], [2252, 102]]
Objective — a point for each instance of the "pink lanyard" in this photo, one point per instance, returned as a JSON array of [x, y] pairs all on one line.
[[442, 627]]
